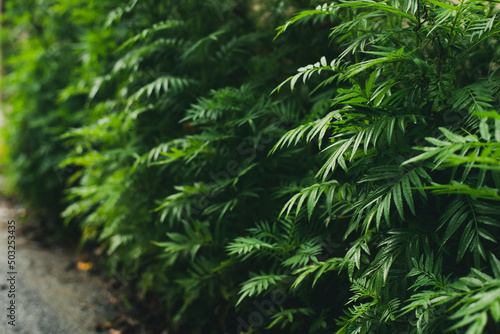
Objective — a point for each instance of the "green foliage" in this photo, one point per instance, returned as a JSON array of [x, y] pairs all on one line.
[[364, 199], [171, 156], [37, 43], [158, 118], [412, 77]]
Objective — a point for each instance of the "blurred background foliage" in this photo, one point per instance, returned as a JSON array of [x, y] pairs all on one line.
[[148, 130]]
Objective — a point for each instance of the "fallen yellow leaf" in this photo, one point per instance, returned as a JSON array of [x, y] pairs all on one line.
[[84, 266]]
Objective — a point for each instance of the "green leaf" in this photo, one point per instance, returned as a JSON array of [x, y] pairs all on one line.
[[398, 199], [495, 265], [405, 185], [455, 222], [442, 4]]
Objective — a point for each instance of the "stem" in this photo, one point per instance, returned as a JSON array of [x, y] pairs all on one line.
[[452, 32], [202, 49], [354, 34], [439, 65], [419, 24]]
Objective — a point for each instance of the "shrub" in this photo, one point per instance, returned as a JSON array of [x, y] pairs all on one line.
[[171, 160], [420, 230], [38, 48], [239, 211]]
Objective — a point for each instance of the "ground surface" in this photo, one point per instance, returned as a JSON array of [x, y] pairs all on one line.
[[51, 295]]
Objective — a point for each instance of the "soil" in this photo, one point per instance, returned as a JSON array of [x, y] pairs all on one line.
[[58, 290], [50, 294]]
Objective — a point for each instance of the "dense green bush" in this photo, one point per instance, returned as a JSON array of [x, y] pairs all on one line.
[[37, 45], [167, 159], [420, 230], [239, 210], [173, 157]]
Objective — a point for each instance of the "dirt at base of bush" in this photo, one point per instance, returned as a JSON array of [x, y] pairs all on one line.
[[63, 291]]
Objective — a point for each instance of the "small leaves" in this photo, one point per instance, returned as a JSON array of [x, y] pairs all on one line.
[[306, 73], [245, 245], [259, 284], [319, 269], [312, 194], [312, 129]]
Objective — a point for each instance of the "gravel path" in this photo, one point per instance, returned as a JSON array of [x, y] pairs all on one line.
[[49, 297]]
